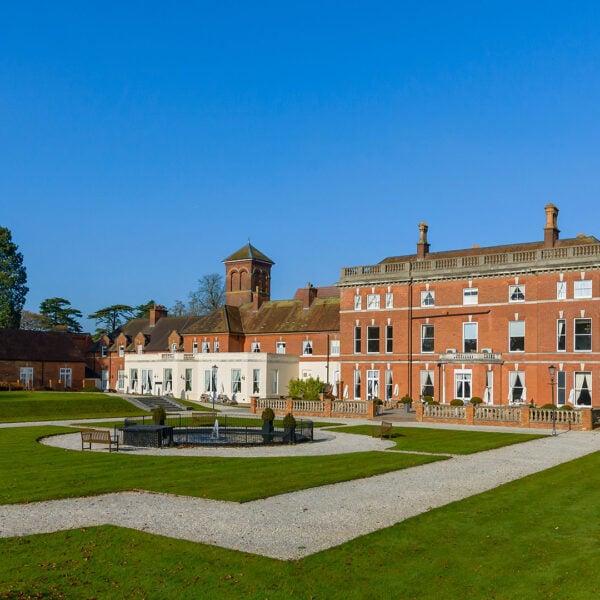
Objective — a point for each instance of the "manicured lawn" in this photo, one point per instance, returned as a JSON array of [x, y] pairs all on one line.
[[535, 538], [443, 441], [46, 406], [30, 471]]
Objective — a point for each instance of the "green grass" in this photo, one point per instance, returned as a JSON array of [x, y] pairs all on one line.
[[536, 538], [46, 406], [30, 471], [443, 441]]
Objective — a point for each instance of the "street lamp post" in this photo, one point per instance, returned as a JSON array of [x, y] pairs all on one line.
[[214, 385], [552, 372]]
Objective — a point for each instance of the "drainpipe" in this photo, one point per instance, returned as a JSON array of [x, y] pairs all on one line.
[[327, 367]]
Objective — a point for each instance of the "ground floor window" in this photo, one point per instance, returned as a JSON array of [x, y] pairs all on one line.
[[583, 388], [427, 388], [66, 377], [389, 384], [357, 385], [188, 380], [121, 379], [561, 388], [462, 384], [133, 378], [26, 377], [168, 380], [256, 381], [372, 385], [516, 383], [104, 379], [146, 381], [236, 381], [275, 382]]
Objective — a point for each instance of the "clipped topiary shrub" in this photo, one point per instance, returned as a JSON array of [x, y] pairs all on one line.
[[428, 399], [476, 400], [548, 406], [566, 407], [456, 402], [267, 414], [289, 422], [407, 400]]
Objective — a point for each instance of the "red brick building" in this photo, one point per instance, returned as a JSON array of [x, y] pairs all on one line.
[[484, 322]]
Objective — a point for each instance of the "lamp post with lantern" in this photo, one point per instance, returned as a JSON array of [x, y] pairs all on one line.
[[552, 372]]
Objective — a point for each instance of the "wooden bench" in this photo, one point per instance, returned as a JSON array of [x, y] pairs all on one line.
[[204, 418], [385, 429], [98, 436]]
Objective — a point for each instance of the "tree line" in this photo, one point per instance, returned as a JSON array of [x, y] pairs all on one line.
[[57, 314]]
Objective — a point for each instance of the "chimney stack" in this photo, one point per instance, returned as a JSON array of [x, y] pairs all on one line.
[[156, 313], [422, 245], [551, 230]]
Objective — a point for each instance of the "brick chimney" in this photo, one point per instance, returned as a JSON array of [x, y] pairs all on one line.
[[551, 230], [307, 295], [156, 313], [422, 245], [257, 299]]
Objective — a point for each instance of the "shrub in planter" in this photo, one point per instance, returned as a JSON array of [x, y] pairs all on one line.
[[427, 399], [476, 400], [267, 414], [456, 402], [159, 415], [566, 407], [548, 406]]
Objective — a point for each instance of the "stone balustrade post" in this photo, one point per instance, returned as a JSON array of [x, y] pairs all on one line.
[[289, 405], [419, 411], [586, 419], [525, 420], [327, 407], [253, 400], [469, 414]]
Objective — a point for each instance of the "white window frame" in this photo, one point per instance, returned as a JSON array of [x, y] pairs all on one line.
[[121, 379], [26, 377], [464, 378], [236, 381], [188, 380], [280, 347], [255, 347], [389, 300], [307, 348], [173, 347], [470, 296], [389, 384], [357, 339], [426, 329], [512, 380], [579, 378], [582, 288], [216, 346], [121, 351], [103, 350], [357, 384], [561, 335], [561, 388], [389, 339], [140, 348], [425, 375], [516, 293], [256, 381], [205, 347], [66, 376], [580, 336], [372, 384], [334, 347], [168, 380], [275, 381], [357, 302], [133, 379], [474, 327], [373, 341], [428, 298], [561, 290], [373, 301], [194, 347], [514, 331]]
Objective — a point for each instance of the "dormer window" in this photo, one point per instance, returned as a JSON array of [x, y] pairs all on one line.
[[194, 347], [216, 346], [205, 347], [103, 350], [173, 347], [140, 348], [121, 350]]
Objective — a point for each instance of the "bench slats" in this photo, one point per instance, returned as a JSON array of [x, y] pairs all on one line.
[[98, 436]]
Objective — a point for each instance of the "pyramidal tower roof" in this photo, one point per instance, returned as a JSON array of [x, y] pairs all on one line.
[[248, 252]]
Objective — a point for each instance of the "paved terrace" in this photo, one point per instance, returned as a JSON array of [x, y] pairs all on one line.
[[307, 521]]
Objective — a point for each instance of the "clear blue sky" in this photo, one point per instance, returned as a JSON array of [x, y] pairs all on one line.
[[143, 142]]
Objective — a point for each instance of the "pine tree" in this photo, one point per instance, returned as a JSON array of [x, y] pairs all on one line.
[[13, 279]]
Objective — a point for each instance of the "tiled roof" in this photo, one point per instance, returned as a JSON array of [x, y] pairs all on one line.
[[19, 344], [159, 334], [287, 316], [580, 240], [327, 291], [249, 252]]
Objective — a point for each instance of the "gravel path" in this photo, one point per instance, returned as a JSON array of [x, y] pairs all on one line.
[[308, 521]]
